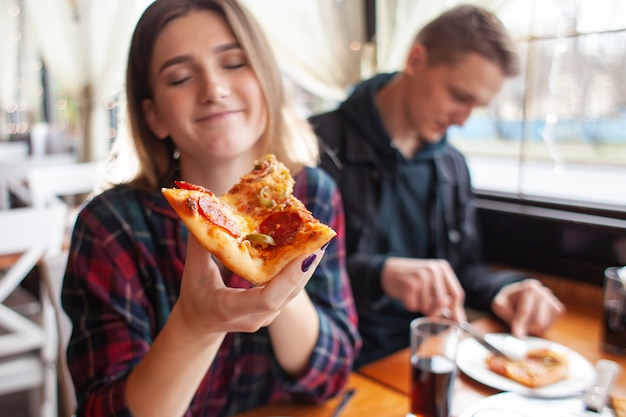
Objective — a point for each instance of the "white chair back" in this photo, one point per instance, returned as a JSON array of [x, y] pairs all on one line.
[[10, 151], [22, 228], [53, 270], [14, 172], [48, 182], [29, 348]]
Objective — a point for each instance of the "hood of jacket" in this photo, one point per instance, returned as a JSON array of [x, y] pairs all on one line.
[[361, 111]]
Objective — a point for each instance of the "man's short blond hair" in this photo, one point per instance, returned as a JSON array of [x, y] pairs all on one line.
[[468, 28]]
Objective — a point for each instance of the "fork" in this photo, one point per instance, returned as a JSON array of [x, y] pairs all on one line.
[[512, 348]]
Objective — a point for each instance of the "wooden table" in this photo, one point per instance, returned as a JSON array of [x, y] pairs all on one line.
[[579, 329], [384, 386], [370, 399], [7, 261], [394, 372]]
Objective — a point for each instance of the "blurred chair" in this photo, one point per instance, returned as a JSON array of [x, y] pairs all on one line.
[[53, 271], [70, 183], [61, 181], [10, 151], [14, 171], [29, 344]]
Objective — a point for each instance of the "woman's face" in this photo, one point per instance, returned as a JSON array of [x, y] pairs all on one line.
[[205, 95]]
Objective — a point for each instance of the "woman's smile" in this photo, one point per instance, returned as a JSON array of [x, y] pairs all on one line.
[[218, 116]]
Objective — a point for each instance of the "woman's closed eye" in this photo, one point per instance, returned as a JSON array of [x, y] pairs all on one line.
[[234, 59], [235, 66], [177, 77], [179, 81]]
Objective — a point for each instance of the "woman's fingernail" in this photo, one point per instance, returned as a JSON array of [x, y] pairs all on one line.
[[306, 264], [325, 245]]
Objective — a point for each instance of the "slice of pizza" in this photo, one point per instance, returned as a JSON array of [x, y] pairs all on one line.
[[539, 368], [618, 404], [257, 227]]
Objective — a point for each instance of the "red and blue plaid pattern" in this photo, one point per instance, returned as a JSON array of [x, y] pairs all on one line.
[[123, 277]]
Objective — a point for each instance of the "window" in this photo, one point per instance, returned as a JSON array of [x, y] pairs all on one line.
[[557, 131], [31, 96]]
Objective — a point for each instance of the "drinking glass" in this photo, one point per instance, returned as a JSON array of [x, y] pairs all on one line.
[[614, 311], [434, 344]]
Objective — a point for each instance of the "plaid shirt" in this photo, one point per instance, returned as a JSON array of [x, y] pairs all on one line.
[[123, 277]]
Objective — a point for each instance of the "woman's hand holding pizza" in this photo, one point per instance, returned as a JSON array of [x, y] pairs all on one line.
[[207, 305]]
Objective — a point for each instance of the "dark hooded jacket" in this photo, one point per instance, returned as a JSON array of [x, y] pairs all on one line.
[[397, 207]]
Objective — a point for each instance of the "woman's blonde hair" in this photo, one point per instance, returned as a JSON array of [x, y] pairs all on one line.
[[287, 136]]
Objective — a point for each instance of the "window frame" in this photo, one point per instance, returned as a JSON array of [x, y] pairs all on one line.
[[550, 236]]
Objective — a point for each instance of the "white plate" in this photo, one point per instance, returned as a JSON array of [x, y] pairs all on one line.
[[511, 404], [471, 361]]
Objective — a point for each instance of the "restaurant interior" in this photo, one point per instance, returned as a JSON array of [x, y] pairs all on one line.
[[547, 159]]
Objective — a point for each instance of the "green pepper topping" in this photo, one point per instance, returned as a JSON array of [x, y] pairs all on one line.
[[260, 238], [265, 197]]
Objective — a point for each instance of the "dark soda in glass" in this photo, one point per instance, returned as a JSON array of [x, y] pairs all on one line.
[[614, 320], [431, 386]]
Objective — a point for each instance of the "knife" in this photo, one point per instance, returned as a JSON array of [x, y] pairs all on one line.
[[480, 338], [596, 395], [342, 403]]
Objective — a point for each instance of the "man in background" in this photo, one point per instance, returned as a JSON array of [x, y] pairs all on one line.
[[411, 233]]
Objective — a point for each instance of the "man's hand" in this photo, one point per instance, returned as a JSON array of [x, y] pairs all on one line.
[[424, 285], [527, 306]]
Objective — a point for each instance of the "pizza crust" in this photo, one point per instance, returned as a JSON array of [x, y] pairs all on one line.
[[618, 404]]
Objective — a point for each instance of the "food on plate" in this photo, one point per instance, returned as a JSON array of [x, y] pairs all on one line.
[[257, 227], [539, 368], [618, 404]]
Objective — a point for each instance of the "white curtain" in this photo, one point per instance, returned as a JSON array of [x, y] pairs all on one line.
[[85, 48], [398, 21], [85, 42], [312, 41], [318, 43], [58, 37], [8, 51]]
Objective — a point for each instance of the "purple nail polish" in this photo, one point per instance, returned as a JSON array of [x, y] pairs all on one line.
[[306, 264]]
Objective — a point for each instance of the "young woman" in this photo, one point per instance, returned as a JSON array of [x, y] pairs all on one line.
[[160, 328]]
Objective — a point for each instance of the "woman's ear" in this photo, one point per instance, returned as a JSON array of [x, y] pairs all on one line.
[[152, 118]]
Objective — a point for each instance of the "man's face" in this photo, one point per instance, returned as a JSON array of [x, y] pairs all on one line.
[[445, 95]]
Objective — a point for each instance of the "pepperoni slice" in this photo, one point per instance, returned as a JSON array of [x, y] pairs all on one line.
[[282, 226], [212, 211], [189, 186]]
